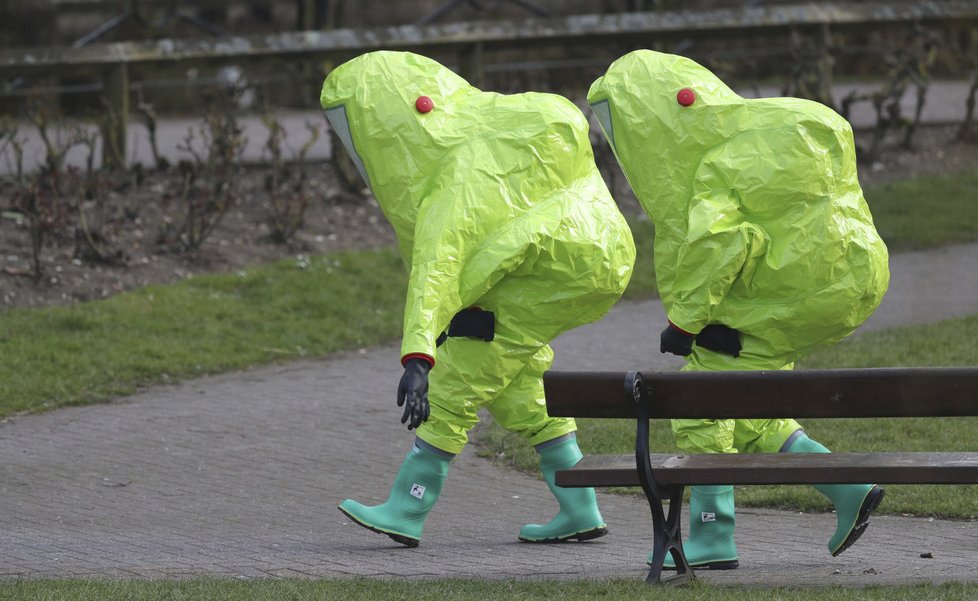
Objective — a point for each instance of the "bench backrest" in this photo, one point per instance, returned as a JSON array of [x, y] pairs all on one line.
[[884, 392]]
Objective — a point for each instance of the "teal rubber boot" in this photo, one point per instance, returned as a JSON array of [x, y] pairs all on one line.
[[578, 517], [710, 545], [853, 502], [415, 490]]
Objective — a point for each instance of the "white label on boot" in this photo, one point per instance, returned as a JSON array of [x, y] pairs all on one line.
[[708, 516], [417, 491]]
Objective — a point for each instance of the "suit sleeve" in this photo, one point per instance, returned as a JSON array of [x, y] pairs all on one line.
[[721, 241], [453, 226]]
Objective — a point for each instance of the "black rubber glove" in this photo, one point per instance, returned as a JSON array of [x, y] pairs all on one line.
[[675, 341], [412, 392], [720, 338]]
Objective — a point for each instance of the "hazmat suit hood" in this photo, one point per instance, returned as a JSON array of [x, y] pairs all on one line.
[[760, 221], [648, 128], [476, 184], [405, 155], [370, 103]]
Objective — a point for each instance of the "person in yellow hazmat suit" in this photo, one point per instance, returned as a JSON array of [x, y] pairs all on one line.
[[511, 238], [765, 249]]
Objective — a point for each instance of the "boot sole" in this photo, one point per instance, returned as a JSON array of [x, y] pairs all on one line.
[[579, 536], [407, 541], [731, 564], [870, 503]]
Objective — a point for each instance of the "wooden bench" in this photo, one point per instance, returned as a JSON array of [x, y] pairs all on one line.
[[913, 392]]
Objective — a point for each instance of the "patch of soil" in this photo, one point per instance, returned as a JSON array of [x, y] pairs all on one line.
[[134, 217], [934, 151]]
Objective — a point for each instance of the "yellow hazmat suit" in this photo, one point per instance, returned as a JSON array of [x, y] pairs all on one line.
[[499, 211], [761, 227], [497, 204], [760, 221]]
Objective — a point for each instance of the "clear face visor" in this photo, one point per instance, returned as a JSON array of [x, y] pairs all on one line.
[[602, 110], [338, 121]]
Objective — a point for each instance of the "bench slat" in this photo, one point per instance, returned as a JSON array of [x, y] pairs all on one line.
[[778, 468], [883, 392]]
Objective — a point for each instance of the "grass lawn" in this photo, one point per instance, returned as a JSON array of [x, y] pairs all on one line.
[[91, 351], [452, 590], [926, 212]]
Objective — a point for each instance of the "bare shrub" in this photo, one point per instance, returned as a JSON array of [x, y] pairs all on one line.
[[286, 183], [93, 243], [208, 180], [37, 199], [9, 142], [909, 64], [147, 114], [57, 135], [810, 68], [965, 132]]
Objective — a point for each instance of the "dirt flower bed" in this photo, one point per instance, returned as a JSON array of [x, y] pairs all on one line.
[[133, 218], [132, 224]]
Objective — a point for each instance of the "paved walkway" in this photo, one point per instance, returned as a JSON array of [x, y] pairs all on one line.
[[238, 475]]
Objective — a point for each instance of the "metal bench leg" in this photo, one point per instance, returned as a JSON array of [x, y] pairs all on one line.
[[666, 532], [667, 538]]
